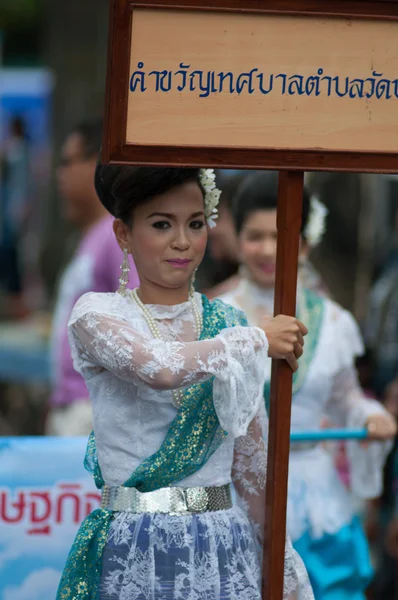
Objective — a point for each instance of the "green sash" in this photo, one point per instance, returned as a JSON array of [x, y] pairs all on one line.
[[192, 438]]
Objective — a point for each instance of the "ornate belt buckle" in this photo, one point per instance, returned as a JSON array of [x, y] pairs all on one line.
[[197, 499]]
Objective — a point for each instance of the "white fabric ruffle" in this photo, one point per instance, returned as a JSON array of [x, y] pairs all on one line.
[[318, 502]]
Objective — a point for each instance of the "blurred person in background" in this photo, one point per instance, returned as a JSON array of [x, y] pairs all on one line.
[[321, 515], [382, 339], [219, 270], [14, 204], [223, 247], [95, 267], [382, 326]]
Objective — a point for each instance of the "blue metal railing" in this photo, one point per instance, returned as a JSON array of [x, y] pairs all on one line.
[[325, 435]]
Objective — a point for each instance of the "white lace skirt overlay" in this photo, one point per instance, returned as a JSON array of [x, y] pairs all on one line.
[[209, 556], [318, 502]]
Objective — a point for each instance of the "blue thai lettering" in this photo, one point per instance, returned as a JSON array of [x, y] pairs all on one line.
[[372, 81], [245, 79], [312, 83], [260, 85], [183, 74], [222, 77], [296, 85], [161, 76], [336, 81], [214, 88], [329, 80], [283, 77], [138, 78], [383, 89], [212, 77], [205, 83], [356, 88]]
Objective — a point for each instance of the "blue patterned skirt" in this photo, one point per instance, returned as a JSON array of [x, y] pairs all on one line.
[[208, 556]]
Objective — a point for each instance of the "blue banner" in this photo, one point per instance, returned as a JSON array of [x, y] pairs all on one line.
[[44, 495]]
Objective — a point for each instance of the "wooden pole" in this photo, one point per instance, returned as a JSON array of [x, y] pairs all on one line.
[[290, 196]]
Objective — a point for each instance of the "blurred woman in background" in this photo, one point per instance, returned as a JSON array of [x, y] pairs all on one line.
[[321, 519]]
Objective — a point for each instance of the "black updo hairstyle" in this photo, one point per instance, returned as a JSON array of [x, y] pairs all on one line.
[[259, 191], [121, 188]]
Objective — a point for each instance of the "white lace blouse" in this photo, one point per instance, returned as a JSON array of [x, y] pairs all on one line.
[[130, 376]]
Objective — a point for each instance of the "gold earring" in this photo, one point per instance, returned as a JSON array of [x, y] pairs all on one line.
[[124, 275]]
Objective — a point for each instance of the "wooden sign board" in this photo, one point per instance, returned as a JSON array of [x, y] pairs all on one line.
[[309, 87]]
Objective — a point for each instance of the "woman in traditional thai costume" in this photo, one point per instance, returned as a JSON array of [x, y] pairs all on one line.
[[176, 384], [321, 519]]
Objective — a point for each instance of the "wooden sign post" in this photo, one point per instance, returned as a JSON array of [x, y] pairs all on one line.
[[290, 85]]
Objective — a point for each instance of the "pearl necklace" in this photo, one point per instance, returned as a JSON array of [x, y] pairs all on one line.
[[178, 395]]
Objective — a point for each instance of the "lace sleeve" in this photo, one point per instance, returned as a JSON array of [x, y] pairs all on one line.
[[249, 471], [348, 407], [249, 474], [234, 358]]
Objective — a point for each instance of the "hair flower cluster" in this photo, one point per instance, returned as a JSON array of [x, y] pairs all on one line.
[[212, 195], [316, 225]]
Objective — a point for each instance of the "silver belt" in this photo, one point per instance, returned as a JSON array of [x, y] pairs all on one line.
[[172, 500]]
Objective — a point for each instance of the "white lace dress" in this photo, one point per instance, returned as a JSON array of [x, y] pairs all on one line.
[[318, 502], [130, 377]]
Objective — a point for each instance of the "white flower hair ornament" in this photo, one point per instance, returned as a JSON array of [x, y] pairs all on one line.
[[316, 225], [207, 179]]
